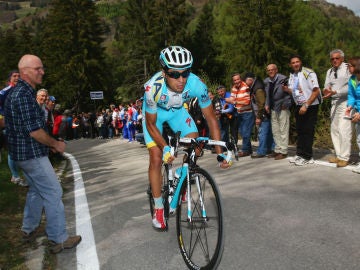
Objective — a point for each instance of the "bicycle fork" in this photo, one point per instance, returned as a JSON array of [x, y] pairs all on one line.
[[175, 200]]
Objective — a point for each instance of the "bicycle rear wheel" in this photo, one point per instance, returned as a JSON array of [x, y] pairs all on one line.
[[201, 239]]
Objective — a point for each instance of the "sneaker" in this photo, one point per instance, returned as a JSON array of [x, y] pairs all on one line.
[[158, 219], [356, 169], [15, 180], [69, 243], [23, 183], [294, 159], [303, 161]]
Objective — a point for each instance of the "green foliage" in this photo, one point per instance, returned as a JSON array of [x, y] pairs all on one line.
[[147, 27], [224, 37], [72, 52], [110, 11]]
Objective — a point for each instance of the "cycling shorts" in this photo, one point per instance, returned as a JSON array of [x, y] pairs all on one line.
[[178, 119]]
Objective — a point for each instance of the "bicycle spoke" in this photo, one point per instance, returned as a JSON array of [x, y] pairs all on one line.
[[200, 238]]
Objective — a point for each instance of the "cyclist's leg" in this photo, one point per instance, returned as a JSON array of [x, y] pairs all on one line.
[[155, 170], [154, 173]]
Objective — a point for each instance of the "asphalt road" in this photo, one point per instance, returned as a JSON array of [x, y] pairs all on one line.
[[277, 216]]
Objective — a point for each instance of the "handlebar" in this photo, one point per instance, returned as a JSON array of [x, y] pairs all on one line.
[[174, 142]]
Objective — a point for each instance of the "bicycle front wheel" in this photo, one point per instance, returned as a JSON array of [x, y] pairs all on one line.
[[200, 237]]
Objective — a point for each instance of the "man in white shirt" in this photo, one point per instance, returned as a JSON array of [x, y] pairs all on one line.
[[336, 87], [304, 87]]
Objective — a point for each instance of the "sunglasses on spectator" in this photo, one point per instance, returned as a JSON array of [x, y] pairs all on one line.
[[176, 74], [335, 58]]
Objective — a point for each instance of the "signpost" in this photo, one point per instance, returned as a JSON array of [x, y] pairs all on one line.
[[96, 95]]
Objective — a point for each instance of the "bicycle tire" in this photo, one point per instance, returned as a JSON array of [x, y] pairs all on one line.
[[201, 241]]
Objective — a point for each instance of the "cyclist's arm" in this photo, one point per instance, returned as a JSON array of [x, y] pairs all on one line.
[[150, 120], [212, 122]]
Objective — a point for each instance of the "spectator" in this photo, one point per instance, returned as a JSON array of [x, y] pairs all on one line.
[[29, 145], [262, 117], [353, 102], [240, 97], [226, 112], [278, 103], [75, 126], [108, 123], [14, 168], [336, 87], [67, 124], [304, 87], [196, 113], [100, 124], [41, 98], [49, 114], [116, 122]]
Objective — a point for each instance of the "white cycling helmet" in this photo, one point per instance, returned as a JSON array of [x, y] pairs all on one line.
[[176, 57]]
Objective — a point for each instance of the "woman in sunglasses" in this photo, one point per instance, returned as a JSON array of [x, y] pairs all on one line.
[[165, 94]]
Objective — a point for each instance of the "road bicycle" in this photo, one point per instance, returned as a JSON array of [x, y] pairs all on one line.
[[192, 194]]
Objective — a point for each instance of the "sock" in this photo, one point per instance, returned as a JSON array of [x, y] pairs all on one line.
[[159, 202]]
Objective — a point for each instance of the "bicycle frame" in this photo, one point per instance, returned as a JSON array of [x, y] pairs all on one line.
[[191, 158]]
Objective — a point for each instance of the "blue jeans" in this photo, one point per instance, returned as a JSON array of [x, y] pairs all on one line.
[[245, 124], [13, 167], [44, 192], [266, 141]]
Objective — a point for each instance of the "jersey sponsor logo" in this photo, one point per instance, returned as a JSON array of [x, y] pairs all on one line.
[[188, 121], [185, 95], [163, 97], [147, 89], [204, 97]]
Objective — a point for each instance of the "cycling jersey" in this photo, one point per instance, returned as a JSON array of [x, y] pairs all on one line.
[[168, 105]]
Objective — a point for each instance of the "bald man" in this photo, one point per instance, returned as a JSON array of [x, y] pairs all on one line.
[[278, 103], [29, 146]]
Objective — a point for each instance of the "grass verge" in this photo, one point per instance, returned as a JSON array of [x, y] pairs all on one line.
[[12, 201]]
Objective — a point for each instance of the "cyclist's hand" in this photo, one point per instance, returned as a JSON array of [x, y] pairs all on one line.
[[167, 157], [223, 163]]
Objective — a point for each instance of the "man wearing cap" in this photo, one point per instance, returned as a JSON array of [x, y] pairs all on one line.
[[227, 112], [262, 118]]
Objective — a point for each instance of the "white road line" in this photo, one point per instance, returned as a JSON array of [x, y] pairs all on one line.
[[86, 254]]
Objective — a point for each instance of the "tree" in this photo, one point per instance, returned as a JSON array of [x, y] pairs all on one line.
[[73, 53], [140, 38], [203, 47], [254, 33]]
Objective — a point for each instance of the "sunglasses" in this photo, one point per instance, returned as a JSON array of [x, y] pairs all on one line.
[[176, 75], [335, 58]]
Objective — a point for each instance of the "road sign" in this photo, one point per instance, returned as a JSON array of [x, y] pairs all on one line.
[[97, 95]]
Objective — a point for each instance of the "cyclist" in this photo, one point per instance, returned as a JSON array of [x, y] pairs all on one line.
[[165, 94]]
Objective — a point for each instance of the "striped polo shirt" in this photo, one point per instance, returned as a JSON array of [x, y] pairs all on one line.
[[242, 98]]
